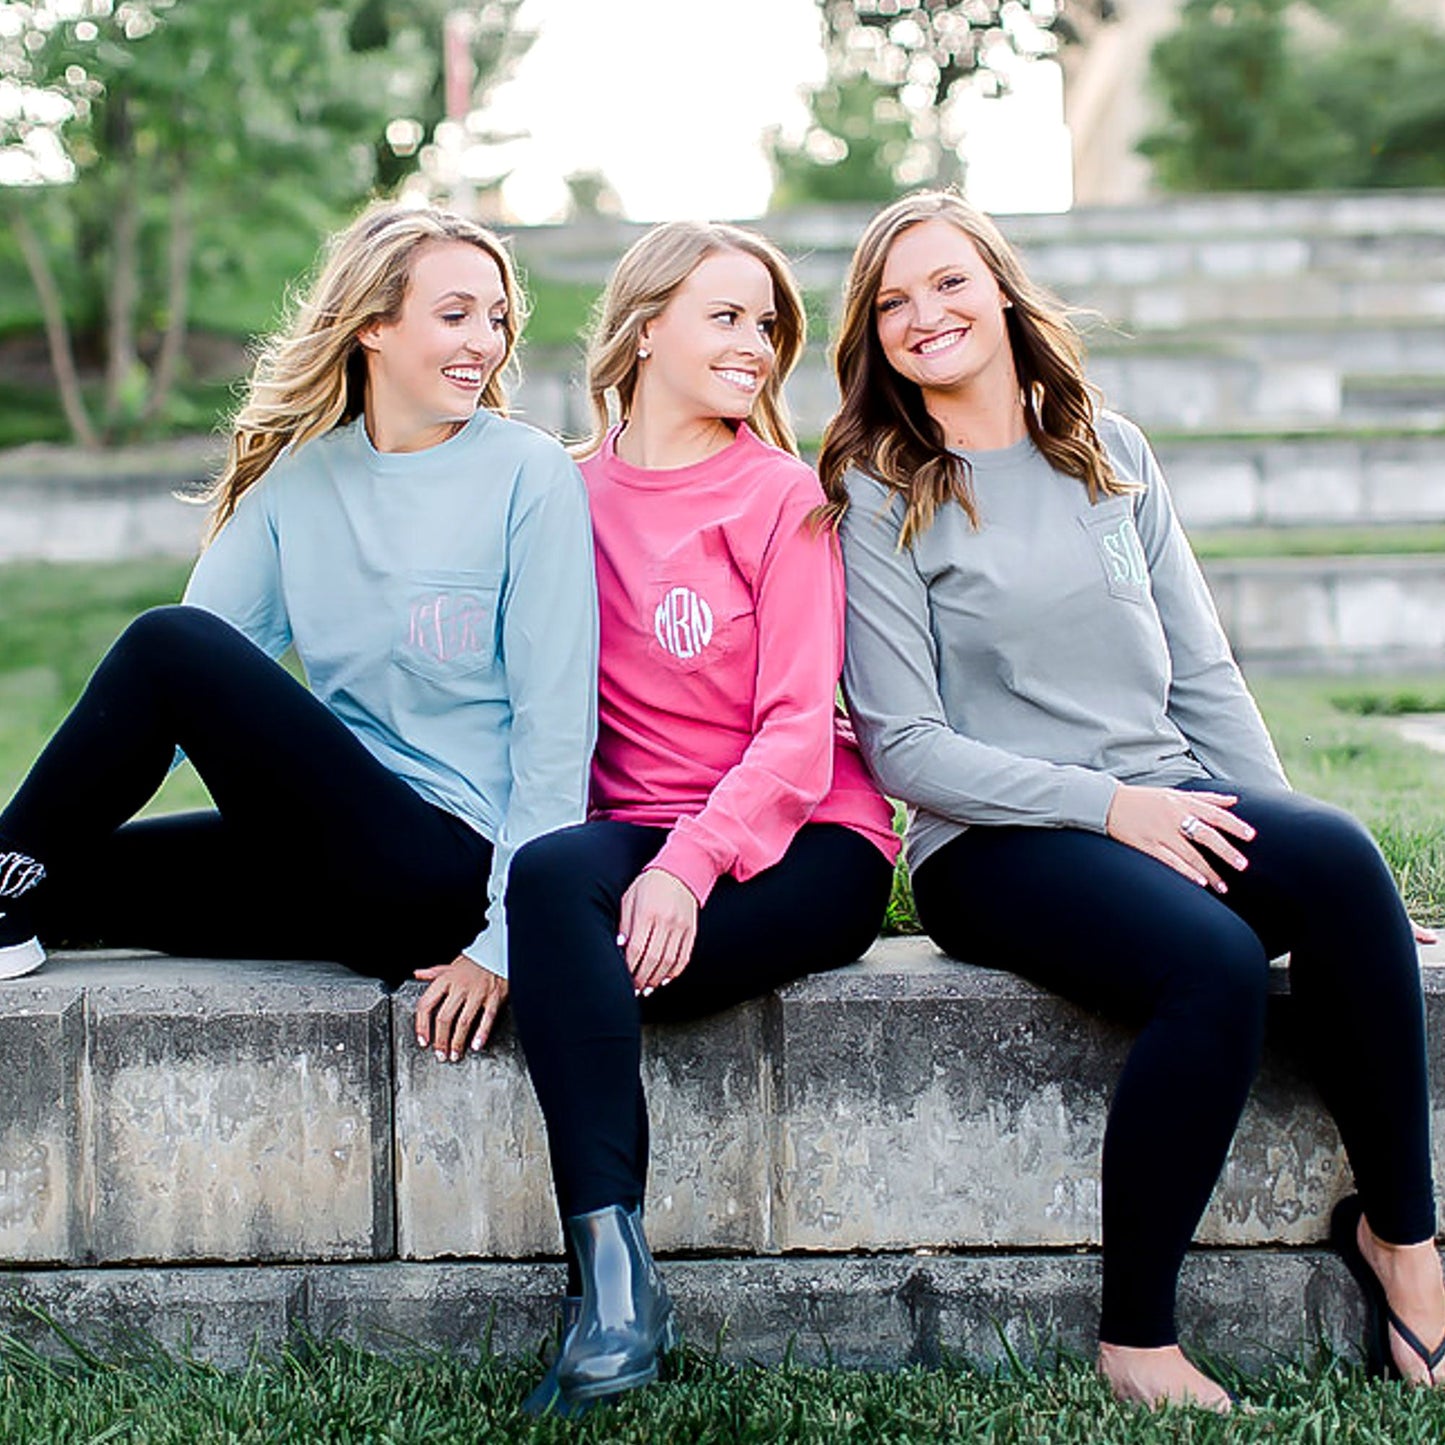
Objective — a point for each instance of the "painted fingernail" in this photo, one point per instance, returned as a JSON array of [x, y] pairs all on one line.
[[456, 1056], [647, 991], [1221, 887], [665, 981], [622, 940], [477, 1044], [420, 1041], [441, 1056]]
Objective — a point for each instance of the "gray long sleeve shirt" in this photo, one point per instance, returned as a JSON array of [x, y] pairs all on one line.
[[1017, 673]]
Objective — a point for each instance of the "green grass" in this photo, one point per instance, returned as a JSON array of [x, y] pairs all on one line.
[[1337, 743], [1245, 542], [332, 1393], [59, 619]]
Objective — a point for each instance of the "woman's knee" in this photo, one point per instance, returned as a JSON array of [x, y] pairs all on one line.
[[547, 866], [168, 635], [1220, 980], [1318, 851], [564, 890]]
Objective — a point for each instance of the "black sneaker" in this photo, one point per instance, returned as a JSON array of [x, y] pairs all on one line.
[[20, 950]]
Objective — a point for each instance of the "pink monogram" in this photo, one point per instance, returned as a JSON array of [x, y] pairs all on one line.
[[448, 625]]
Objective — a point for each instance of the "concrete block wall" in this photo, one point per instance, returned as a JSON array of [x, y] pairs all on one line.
[[908, 1130]]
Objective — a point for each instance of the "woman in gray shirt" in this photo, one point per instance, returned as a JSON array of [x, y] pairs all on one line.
[[1034, 666]]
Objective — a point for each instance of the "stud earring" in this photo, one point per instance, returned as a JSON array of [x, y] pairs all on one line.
[[643, 353]]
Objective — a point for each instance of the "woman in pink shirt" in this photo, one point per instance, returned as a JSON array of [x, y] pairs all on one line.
[[735, 840]]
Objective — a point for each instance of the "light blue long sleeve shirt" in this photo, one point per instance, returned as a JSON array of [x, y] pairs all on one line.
[[444, 607]]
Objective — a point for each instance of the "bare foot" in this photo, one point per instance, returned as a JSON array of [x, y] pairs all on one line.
[[1413, 1284], [1160, 1376]]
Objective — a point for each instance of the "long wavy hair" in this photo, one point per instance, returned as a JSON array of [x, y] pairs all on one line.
[[648, 274], [311, 375], [882, 426]]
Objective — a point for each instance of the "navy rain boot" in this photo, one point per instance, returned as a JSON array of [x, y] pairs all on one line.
[[547, 1398], [626, 1321]]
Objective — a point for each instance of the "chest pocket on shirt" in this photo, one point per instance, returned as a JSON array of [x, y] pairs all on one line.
[[697, 611], [1111, 528], [447, 627]]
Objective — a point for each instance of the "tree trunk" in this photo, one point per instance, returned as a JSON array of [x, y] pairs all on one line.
[[178, 285], [57, 333], [124, 289]]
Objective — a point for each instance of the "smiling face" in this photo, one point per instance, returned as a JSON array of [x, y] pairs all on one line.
[[941, 315], [710, 348], [427, 367]]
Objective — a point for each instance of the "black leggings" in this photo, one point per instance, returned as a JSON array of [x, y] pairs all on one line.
[[316, 849], [579, 1020], [1112, 929]]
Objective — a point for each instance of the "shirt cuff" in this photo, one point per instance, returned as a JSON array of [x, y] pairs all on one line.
[[489, 951], [689, 862], [1086, 799]]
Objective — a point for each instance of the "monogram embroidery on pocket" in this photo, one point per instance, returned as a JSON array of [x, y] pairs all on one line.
[[445, 626], [1126, 568], [683, 623], [1124, 555]]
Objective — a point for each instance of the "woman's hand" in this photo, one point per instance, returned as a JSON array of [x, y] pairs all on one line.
[[656, 928], [1423, 934], [462, 1001], [1178, 827]]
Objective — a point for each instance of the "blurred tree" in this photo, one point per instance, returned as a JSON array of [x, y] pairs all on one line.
[[1288, 95], [884, 119], [410, 32], [156, 129]]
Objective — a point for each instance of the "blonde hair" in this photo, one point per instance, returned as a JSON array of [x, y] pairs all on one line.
[[646, 277], [311, 376], [882, 426]]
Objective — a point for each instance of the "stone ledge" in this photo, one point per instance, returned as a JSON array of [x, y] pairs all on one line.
[[182, 1111], [1253, 1307], [195, 1109]]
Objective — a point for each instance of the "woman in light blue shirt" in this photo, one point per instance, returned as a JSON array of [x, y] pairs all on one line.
[[430, 562]]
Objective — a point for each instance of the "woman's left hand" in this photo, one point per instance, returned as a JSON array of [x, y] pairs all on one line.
[[1423, 934], [462, 1001], [656, 928]]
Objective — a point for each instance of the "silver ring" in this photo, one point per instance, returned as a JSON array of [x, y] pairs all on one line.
[[1189, 825]]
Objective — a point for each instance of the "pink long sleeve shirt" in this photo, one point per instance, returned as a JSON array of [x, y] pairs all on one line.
[[721, 643]]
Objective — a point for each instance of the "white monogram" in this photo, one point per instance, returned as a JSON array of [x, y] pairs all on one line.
[[683, 623]]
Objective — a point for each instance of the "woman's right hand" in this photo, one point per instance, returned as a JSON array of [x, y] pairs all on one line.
[[1181, 829]]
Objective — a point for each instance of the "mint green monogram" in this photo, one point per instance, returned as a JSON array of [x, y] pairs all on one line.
[[1124, 554]]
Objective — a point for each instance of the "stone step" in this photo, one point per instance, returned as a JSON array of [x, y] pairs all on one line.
[[1353, 348], [895, 1163], [184, 1111], [1253, 1308], [1344, 479], [1333, 614], [1395, 234], [1381, 400], [1163, 389]]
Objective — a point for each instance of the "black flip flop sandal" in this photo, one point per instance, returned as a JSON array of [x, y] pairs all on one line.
[[1379, 1317]]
